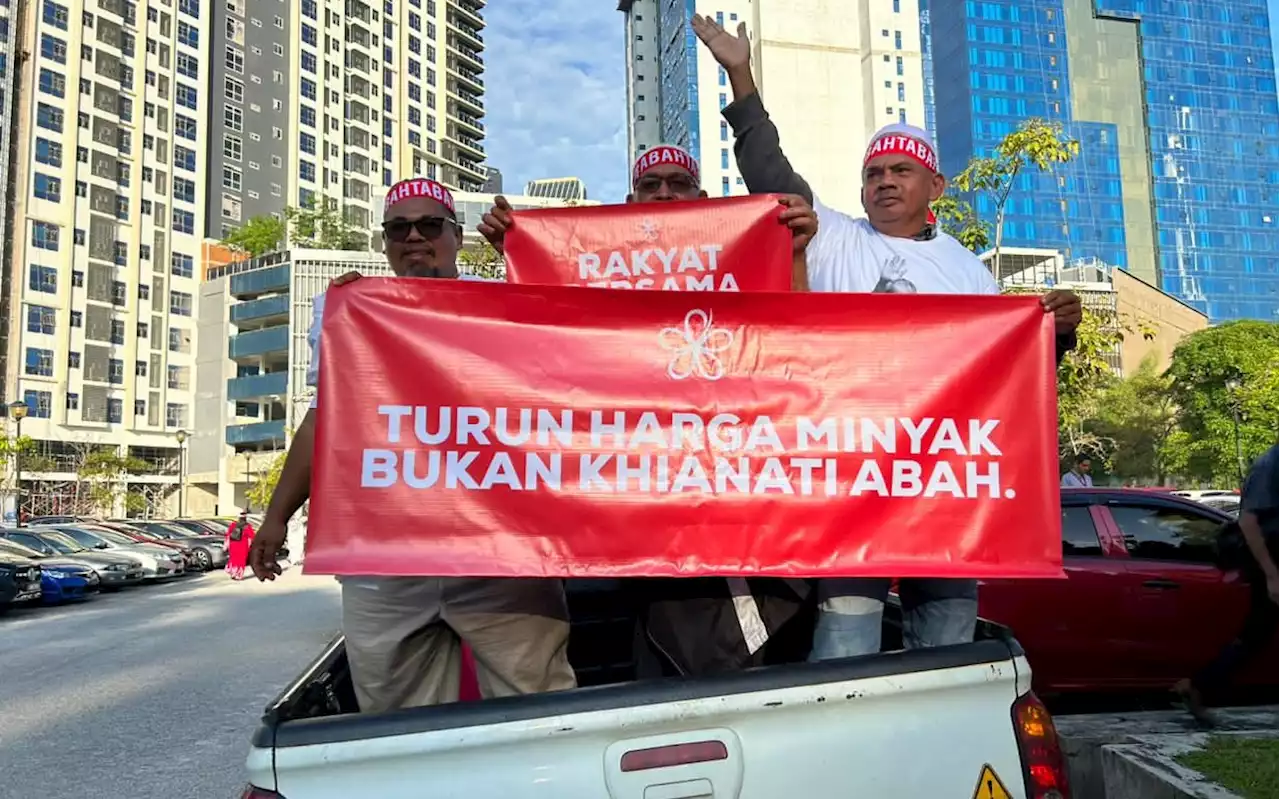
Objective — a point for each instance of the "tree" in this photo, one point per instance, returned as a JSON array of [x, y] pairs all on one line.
[[1036, 143], [1137, 416], [258, 236], [483, 261], [1083, 376], [320, 223], [1219, 375], [259, 494], [956, 217], [105, 470]]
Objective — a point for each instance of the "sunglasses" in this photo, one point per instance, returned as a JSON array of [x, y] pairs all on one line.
[[428, 227], [650, 184]]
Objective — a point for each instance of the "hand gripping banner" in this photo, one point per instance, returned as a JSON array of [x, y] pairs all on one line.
[[491, 429], [733, 244]]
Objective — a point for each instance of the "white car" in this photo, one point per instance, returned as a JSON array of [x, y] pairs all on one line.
[[158, 562]]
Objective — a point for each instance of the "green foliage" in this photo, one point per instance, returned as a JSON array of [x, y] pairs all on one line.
[[320, 223], [957, 218], [104, 470], [1219, 375], [264, 484], [1037, 143], [482, 261], [1136, 415], [258, 236]]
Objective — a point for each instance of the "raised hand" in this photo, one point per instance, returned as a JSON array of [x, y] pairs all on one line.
[[493, 226], [730, 51]]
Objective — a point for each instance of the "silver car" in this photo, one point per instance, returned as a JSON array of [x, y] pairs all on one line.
[[158, 562]]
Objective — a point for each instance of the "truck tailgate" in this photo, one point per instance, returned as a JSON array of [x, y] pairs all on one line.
[[923, 723]]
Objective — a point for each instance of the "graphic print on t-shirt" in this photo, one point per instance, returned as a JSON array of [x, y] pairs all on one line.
[[893, 277]]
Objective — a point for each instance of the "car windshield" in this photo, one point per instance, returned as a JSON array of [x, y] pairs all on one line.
[[14, 548], [167, 530], [110, 535], [63, 543]]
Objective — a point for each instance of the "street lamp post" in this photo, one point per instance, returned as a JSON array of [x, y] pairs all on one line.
[[248, 481], [1233, 387], [181, 435], [17, 412]]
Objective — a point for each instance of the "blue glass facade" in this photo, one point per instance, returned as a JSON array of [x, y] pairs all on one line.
[[1186, 195], [678, 54]]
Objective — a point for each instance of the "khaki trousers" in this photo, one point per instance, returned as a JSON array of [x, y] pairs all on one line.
[[404, 637]]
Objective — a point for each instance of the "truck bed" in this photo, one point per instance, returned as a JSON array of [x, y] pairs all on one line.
[[824, 728]]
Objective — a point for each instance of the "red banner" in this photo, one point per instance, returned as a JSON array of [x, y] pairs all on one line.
[[732, 244], [490, 429]]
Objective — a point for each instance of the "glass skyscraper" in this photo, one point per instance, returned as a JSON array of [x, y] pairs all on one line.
[[1174, 104]]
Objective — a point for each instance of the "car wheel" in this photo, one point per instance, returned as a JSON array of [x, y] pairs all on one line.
[[204, 560]]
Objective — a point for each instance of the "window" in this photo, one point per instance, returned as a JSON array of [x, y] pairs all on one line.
[[185, 127], [234, 60], [115, 371], [115, 410], [181, 264], [53, 83], [309, 35], [900, 66], [73, 360], [1079, 537], [144, 292], [117, 331], [179, 303], [49, 118], [233, 118], [897, 6], [39, 362], [188, 34], [188, 96], [231, 178], [232, 147], [307, 171], [188, 65], [48, 188], [175, 415], [307, 116], [44, 236], [308, 88], [44, 278], [55, 14], [41, 318], [724, 158], [53, 48], [48, 152], [308, 62], [119, 293], [189, 7], [184, 189], [140, 368], [184, 158], [77, 319], [897, 40], [724, 187], [1165, 533], [184, 221], [73, 400], [307, 143], [39, 406]]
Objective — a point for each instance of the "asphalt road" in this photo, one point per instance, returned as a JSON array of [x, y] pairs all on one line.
[[154, 691]]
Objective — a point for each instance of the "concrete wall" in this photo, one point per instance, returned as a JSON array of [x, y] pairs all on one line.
[[1144, 307]]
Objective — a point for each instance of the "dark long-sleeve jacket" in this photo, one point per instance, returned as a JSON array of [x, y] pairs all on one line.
[[765, 168]]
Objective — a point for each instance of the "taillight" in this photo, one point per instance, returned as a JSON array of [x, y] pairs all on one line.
[[254, 792], [1042, 762]]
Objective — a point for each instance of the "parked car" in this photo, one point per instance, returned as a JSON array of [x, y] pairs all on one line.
[[38, 520], [158, 563], [1228, 505], [210, 551], [189, 556], [1200, 496], [1143, 605], [62, 579], [115, 570], [19, 580], [200, 526]]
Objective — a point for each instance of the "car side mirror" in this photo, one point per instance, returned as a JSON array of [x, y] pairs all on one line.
[[101, 545]]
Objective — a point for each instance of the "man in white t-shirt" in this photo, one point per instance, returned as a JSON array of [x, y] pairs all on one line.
[[897, 248], [404, 634]]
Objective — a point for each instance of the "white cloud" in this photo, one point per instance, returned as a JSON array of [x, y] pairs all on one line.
[[556, 94]]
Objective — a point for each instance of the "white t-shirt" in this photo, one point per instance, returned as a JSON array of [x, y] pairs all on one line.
[[313, 335], [849, 255]]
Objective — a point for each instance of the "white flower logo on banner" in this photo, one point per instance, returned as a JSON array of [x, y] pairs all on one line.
[[696, 347], [649, 229]]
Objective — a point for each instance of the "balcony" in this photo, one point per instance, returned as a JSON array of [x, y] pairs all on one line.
[[468, 32], [469, 120], [467, 52], [470, 101], [261, 312], [470, 144], [469, 9], [475, 167], [256, 433], [273, 384], [248, 285], [259, 342], [470, 79]]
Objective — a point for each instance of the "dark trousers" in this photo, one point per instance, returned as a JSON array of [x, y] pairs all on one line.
[[1254, 636]]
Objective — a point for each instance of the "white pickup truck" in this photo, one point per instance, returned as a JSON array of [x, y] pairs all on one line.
[[956, 722]]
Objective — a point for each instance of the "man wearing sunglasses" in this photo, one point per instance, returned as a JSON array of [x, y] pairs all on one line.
[[404, 634]]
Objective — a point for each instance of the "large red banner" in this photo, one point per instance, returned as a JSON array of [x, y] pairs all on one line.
[[491, 429], [733, 244]]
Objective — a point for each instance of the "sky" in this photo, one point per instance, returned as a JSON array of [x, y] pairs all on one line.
[[555, 93]]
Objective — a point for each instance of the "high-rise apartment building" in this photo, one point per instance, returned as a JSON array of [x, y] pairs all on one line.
[[107, 217], [338, 99], [1175, 108], [568, 189], [831, 74]]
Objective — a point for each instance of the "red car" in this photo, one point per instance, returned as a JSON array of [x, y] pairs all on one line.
[[1143, 604]]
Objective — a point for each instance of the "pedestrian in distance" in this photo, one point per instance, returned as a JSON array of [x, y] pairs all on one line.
[[1079, 476], [239, 540]]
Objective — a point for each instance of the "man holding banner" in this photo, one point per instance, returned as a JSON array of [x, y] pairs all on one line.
[[896, 249], [404, 634]]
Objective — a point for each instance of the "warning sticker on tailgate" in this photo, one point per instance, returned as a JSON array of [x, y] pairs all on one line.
[[989, 785]]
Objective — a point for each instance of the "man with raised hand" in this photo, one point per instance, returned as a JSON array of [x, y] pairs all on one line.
[[666, 173], [896, 249], [404, 634]]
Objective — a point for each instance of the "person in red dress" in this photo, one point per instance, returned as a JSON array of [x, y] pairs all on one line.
[[239, 537]]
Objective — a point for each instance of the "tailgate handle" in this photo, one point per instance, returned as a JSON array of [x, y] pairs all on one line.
[[1163, 584], [674, 755]]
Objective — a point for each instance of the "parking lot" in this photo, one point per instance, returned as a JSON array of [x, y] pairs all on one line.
[[155, 690]]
